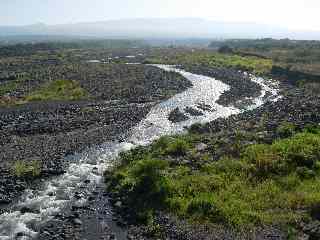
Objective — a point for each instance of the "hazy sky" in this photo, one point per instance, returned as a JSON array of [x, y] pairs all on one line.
[[295, 14]]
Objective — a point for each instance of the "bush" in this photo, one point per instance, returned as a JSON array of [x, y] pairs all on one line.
[[305, 172], [302, 150], [133, 155], [160, 146], [312, 128], [144, 186], [264, 160], [178, 147]]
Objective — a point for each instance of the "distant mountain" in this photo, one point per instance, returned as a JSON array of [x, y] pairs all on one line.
[[160, 28]]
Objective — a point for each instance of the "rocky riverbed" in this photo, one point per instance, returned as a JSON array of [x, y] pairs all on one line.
[[47, 132], [71, 139], [96, 219], [241, 86]]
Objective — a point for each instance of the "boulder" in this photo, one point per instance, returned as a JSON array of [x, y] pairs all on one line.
[[177, 116], [193, 112]]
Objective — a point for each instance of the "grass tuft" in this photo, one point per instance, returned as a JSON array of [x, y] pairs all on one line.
[[26, 169]]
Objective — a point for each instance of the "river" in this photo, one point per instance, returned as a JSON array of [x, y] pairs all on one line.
[[86, 169]]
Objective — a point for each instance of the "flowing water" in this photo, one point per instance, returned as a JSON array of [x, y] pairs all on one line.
[[58, 193]]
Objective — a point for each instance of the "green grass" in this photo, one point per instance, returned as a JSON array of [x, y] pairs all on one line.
[[175, 146], [286, 129], [252, 64], [58, 90], [8, 87], [26, 169], [53, 91], [275, 184]]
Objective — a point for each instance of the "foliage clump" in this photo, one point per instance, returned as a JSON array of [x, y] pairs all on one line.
[[286, 129], [24, 169]]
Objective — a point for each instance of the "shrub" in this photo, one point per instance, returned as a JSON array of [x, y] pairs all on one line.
[[144, 186], [265, 161], [160, 146], [303, 150], [305, 172], [312, 128], [178, 147], [133, 155]]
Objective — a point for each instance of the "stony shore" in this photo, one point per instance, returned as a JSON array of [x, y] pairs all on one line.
[[102, 121], [172, 228], [298, 107], [241, 87], [47, 132]]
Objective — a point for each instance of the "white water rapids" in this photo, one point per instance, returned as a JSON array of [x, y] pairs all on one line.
[[58, 193]]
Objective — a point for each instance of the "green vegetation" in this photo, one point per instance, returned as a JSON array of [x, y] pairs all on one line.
[[59, 90], [8, 87], [171, 146], [302, 56], [56, 90], [210, 59], [26, 49], [67, 74], [286, 130], [268, 184], [26, 169]]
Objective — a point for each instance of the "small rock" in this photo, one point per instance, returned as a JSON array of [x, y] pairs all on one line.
[[24, 210], [77, 221], [130, 237], [205, 107], [193, 111], [91, 198], [201, 147], [118, 204]]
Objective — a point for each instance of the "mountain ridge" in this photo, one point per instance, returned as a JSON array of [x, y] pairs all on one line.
[[161, 28]]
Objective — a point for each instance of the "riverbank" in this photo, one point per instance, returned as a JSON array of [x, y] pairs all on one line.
[[82, 176], [183, 179], [206, 91], [81, 119]]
